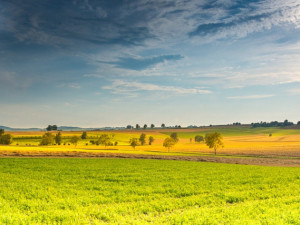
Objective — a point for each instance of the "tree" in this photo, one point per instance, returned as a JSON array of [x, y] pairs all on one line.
[[163, 125], [145, 126], [1, 131], [174, 136], [84, 135], [74, 140], [298, 123], [47, 139], [137, 126], [58, 138], [199, 138], [6, 139], [151, 140], [169, 143], [105, 140], [129, 127], [142, 139], [133, 142], [51, 127], [152, 126], [214, 140]]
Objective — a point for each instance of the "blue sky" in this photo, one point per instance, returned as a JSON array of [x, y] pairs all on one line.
[[112, 63]]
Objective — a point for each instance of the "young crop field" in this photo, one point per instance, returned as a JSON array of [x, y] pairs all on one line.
[[131, 191]]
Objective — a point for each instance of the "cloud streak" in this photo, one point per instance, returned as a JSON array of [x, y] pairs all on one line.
[[250, 97], [143, 63], [121, 87]]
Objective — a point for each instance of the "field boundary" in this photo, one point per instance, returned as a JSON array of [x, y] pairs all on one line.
[[285, 162]]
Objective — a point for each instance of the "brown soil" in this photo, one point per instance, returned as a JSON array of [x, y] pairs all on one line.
[[286, 162]]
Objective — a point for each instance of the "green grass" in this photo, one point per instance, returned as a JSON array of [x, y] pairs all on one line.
[[130, 191]]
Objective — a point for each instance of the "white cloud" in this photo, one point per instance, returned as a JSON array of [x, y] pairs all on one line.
[[251, 97], [120, 86]]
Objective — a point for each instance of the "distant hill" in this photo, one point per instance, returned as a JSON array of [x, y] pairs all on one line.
[[20, 129], [63, 128]]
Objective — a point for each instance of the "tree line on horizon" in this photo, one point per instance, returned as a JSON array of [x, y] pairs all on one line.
[[285, 123]]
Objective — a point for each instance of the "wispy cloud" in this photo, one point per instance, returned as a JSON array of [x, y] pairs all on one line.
[[121, 87], [69, 85], [294, 91], [251, 97], [143, 63], [13, 80]]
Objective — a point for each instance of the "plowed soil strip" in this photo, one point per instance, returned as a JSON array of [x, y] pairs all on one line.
[[245, 161]]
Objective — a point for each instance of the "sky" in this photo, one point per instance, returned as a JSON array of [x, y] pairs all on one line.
[[97, 63]]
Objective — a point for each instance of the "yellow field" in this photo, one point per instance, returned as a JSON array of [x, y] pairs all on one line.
[[236, 142]]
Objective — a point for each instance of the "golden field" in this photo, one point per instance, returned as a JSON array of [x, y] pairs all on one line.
[[237, 141]]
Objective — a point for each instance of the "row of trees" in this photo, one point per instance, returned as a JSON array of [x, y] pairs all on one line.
[[137, 126], [212, 140], [141, 141], [51, 139], [5, 139], [285, 123]]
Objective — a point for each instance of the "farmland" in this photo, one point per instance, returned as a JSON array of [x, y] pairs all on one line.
[[131, 191], [238, 142], [189, 188]]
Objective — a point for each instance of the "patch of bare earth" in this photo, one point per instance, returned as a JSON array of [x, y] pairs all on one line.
[[286, 162]]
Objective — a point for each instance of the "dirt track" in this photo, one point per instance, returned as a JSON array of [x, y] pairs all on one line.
[[286, 162]]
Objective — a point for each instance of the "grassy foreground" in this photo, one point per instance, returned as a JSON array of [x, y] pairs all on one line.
[[130, 191]]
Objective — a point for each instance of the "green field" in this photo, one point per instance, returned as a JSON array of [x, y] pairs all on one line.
[[131, 191]]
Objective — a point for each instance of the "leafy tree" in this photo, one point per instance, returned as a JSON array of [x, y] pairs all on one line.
[[84, 135], [298, 123], [199, 138], [142, 139], [1, 132], [145, 126], [163, 125], [133, 142], [6, 139], [105, 140], [151, 140], [74, 140], [47, 139], [58, 138], [129, 127], [169, 143], [51, 127], [152, 125], [214, 140], [174, 136], [137, 126], [270, 134]]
